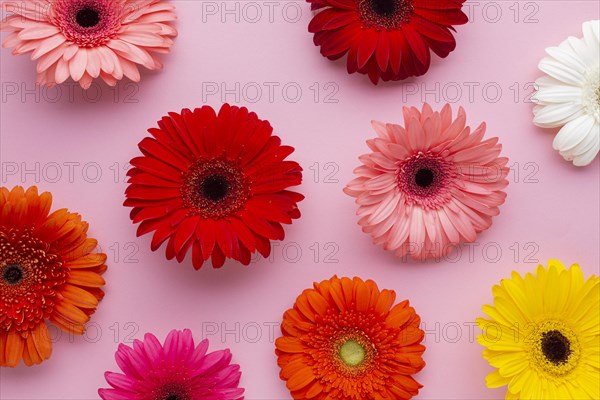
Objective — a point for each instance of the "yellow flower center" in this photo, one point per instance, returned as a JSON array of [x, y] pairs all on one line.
[[352, 353], [554, 348]]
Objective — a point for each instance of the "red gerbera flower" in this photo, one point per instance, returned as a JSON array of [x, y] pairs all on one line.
[[215, 184], [387, 39]]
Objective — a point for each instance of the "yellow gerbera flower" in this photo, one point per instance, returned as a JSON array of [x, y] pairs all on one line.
[[543, 334]]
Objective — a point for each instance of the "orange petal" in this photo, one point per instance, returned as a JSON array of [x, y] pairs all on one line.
[[289, 345], [87, 261], [70, 313], [301, 379], [3, 335], [14, 349], [363, 296], [42, 341], [398, 316], [78, 296], [318, 303], [385, 301], [30, 354], [67, 326], [85, 278]]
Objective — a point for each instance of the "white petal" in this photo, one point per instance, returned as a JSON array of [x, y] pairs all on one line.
[[573, 133], [555, 115], [587, 54], [591, 139], [586, 158], [591, 32], [561, 71], [558, 94], [568, 58], [546, 80]]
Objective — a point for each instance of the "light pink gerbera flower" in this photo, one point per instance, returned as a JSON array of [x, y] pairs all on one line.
[[87, 39], [176, 371], [429, 185]]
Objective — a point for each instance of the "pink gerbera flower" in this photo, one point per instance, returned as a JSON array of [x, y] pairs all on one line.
[[429, 185], [176, 371], [87, 39]]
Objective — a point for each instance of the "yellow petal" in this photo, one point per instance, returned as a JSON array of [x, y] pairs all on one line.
[[495, 380]]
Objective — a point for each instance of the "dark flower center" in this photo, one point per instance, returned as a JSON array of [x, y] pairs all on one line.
[[13, 274], [87, 17], [424, 177], [556, 347], [172, 391], [385, 14], [385, 8], [214, 187]]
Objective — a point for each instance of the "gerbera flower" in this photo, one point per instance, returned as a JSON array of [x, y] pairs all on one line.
[[213, 184], [430, 184], [47, 273], [568, 97], [387, 39], [345, 339], [543, 334], [87, 39], [177, 370]]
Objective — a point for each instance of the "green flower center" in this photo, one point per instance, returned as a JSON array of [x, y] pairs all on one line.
[[352, 353]]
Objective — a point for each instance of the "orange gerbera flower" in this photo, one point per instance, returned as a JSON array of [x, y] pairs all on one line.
[[47, 272], [345, 339]]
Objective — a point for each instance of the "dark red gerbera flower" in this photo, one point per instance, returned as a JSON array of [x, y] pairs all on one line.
[[387, 39], [213, 184]]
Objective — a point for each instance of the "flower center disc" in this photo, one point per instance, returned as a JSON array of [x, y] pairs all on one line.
[[172, 391], [215, 188], [424, 177], [384, 8], [87, 17], [88, 23], [555, 347], [352, 353], [385, 14], [13, 275]]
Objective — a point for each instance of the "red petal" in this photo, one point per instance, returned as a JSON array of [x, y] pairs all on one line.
[[383, 50], [368, 44]]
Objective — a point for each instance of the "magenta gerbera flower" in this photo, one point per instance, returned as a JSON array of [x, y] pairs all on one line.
[[177, 370]]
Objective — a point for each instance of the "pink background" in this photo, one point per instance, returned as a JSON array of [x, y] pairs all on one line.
[[551, 211]]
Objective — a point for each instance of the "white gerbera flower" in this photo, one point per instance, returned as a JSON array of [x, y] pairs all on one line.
[[569, 95]]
